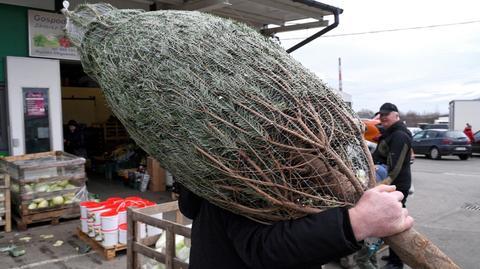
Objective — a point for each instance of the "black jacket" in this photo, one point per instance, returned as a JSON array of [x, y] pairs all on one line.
[[221, 239], [394, 150]]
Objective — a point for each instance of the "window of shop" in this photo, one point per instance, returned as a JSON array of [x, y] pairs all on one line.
[[37, 123]]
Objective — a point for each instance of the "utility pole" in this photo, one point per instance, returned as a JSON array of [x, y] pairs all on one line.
[[340, 74]]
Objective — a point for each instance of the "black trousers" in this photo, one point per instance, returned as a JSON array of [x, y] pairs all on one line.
[[392, 256]]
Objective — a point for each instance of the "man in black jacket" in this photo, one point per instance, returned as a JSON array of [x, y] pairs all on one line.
[[394, 150], [222, 239]]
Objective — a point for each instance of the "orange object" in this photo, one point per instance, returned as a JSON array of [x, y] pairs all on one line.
[[371, 130]]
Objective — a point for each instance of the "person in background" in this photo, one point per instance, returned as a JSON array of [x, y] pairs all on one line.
[[74, 141], [394, 150], [468, 132]]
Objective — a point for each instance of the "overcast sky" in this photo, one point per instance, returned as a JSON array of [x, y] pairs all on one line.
[[419, 70]]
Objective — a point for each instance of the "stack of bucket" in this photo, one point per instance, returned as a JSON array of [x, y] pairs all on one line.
[[107, 221]]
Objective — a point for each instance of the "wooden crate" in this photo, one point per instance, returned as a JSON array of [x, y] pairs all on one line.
[[157, 175], [45, 167], [137, 246], [49, 216], [6, 213], [107, 252], [31, 167]]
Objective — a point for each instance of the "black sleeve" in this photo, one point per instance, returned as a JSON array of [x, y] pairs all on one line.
[[313, 240], [188, 203], [399, 153]]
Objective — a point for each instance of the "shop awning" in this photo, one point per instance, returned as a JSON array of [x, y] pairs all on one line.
[[268, 16]]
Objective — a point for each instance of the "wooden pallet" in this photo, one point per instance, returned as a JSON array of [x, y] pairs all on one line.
[[107, 252], [50, 217]]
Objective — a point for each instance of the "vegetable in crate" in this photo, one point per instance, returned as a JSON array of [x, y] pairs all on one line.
[[227, 111]]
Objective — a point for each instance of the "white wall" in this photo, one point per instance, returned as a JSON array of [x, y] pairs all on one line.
[[33, 73]]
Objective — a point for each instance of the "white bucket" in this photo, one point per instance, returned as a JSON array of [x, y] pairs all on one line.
[[110, 238], [90, 228], [109, 220], [84, 208], [83, 212], [84, 225], [141, 230], [122, 234], [122, 216], [152, 230], [98, 232], [97, 218], [91, 219], [97, 223]]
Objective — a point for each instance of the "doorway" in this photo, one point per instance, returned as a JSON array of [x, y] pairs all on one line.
[[3, 122]]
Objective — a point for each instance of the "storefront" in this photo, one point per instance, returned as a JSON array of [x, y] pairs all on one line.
[[43, 86]]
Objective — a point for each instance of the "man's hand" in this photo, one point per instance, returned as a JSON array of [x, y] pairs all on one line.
[[379, 213]]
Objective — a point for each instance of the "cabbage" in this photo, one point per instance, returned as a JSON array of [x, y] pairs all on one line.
[[42, 187], [69, 186], [69, 196], [55, 188], [183, 253], [32, 206], [43, 204], [67, 201], [38, 200], [28, 188], [57, 200], [63, 183]]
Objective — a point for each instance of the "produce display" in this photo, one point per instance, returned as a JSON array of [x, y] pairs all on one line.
[[45, 181]]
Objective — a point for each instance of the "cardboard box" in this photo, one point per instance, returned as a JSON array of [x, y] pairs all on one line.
[[157, 175]]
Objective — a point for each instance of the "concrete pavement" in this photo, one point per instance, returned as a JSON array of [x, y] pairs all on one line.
[[446, 208]]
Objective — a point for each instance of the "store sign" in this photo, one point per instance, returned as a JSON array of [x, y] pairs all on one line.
[[47, 38], [35, 101]]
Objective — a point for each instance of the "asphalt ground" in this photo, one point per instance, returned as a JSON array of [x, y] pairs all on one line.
[[445, 205]]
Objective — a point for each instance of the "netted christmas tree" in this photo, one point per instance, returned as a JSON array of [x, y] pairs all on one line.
[[235, 118]]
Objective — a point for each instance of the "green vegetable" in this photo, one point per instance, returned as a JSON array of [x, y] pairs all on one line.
[[41, 187], [63, 183], [69, 187], [43, 204], [38, 200], [32, 206], [55, 188], [57, 200], [28, 188]]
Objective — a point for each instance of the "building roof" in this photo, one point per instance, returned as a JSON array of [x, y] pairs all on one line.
[[261, 13]]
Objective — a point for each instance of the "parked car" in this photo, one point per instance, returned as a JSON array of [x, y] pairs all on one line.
[[476, 143], [436, 143], [414, 130], [434, 126]]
